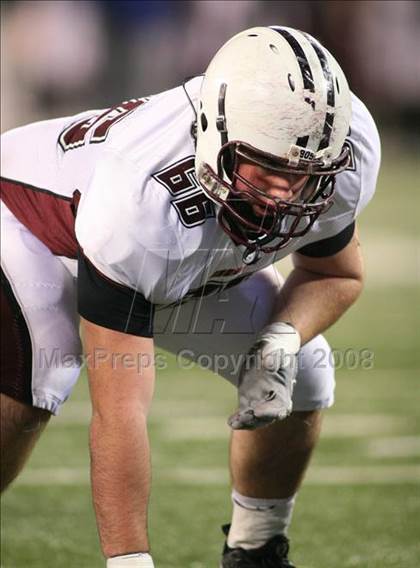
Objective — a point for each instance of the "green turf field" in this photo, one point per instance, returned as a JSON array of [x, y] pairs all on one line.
[[360, 506]]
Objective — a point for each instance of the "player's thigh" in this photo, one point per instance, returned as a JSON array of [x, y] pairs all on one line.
[[21, 425], [41, 351], [217, 332]]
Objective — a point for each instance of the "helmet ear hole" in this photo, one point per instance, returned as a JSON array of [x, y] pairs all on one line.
[[337, 84], [291, 82], [204, 122]]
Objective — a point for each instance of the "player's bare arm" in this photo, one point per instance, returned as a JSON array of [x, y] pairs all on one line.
[[315, 295], [121, 378], [319, 290]]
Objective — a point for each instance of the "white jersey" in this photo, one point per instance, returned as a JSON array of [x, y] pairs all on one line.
[[142, 219]]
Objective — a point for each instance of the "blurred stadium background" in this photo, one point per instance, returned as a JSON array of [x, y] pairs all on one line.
[[361, 504]]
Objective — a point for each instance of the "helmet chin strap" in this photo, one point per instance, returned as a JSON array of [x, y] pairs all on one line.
[[194, 123], [253, 251], [251, 255]]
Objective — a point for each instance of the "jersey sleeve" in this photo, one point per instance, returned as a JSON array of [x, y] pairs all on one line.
[[331, 245], [112, 305], [365, 146], [112, 265], [128, 222], [354, 187]]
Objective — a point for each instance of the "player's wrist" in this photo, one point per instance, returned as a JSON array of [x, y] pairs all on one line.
[[133, 560], [280, 336], [266, 382]]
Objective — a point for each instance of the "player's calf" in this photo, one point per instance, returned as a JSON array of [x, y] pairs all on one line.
[[21, 426]]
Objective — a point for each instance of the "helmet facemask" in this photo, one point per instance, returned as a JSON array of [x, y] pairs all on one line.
[[278, 220]]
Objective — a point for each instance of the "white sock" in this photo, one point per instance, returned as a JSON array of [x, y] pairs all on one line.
[[136, 560], [255, 521]]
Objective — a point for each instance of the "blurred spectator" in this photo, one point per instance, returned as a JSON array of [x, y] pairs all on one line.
[[389, 55], [144, 45], [56, 51], [59, 57], [211, 23]]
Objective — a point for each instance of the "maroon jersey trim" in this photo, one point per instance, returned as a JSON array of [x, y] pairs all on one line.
[[48, 215]]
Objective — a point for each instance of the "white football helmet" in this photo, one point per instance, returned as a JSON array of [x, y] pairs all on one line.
[[276, 97]]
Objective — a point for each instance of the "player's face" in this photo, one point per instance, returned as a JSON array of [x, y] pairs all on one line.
[[285, 187]]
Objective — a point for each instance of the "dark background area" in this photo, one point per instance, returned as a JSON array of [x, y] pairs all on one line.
[[61, 57]]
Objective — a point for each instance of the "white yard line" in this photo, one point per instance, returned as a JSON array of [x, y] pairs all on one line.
[[77, 412], [54, 476], [394, 447], [359, 475], [186, 425], [317, 475], [214, 425], [364, 425], [335, 426]]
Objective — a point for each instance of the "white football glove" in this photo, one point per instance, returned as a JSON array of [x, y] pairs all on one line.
[[267, 378]]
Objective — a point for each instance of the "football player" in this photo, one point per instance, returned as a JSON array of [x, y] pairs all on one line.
[[172, 211]]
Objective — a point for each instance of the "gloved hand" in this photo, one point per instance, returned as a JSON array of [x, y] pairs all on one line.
[[267, 378]]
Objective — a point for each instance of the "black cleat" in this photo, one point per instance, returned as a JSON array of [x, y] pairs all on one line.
[[273, 554]]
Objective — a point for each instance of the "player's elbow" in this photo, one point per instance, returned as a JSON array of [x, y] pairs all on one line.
[[352, 290], [357, 285]]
